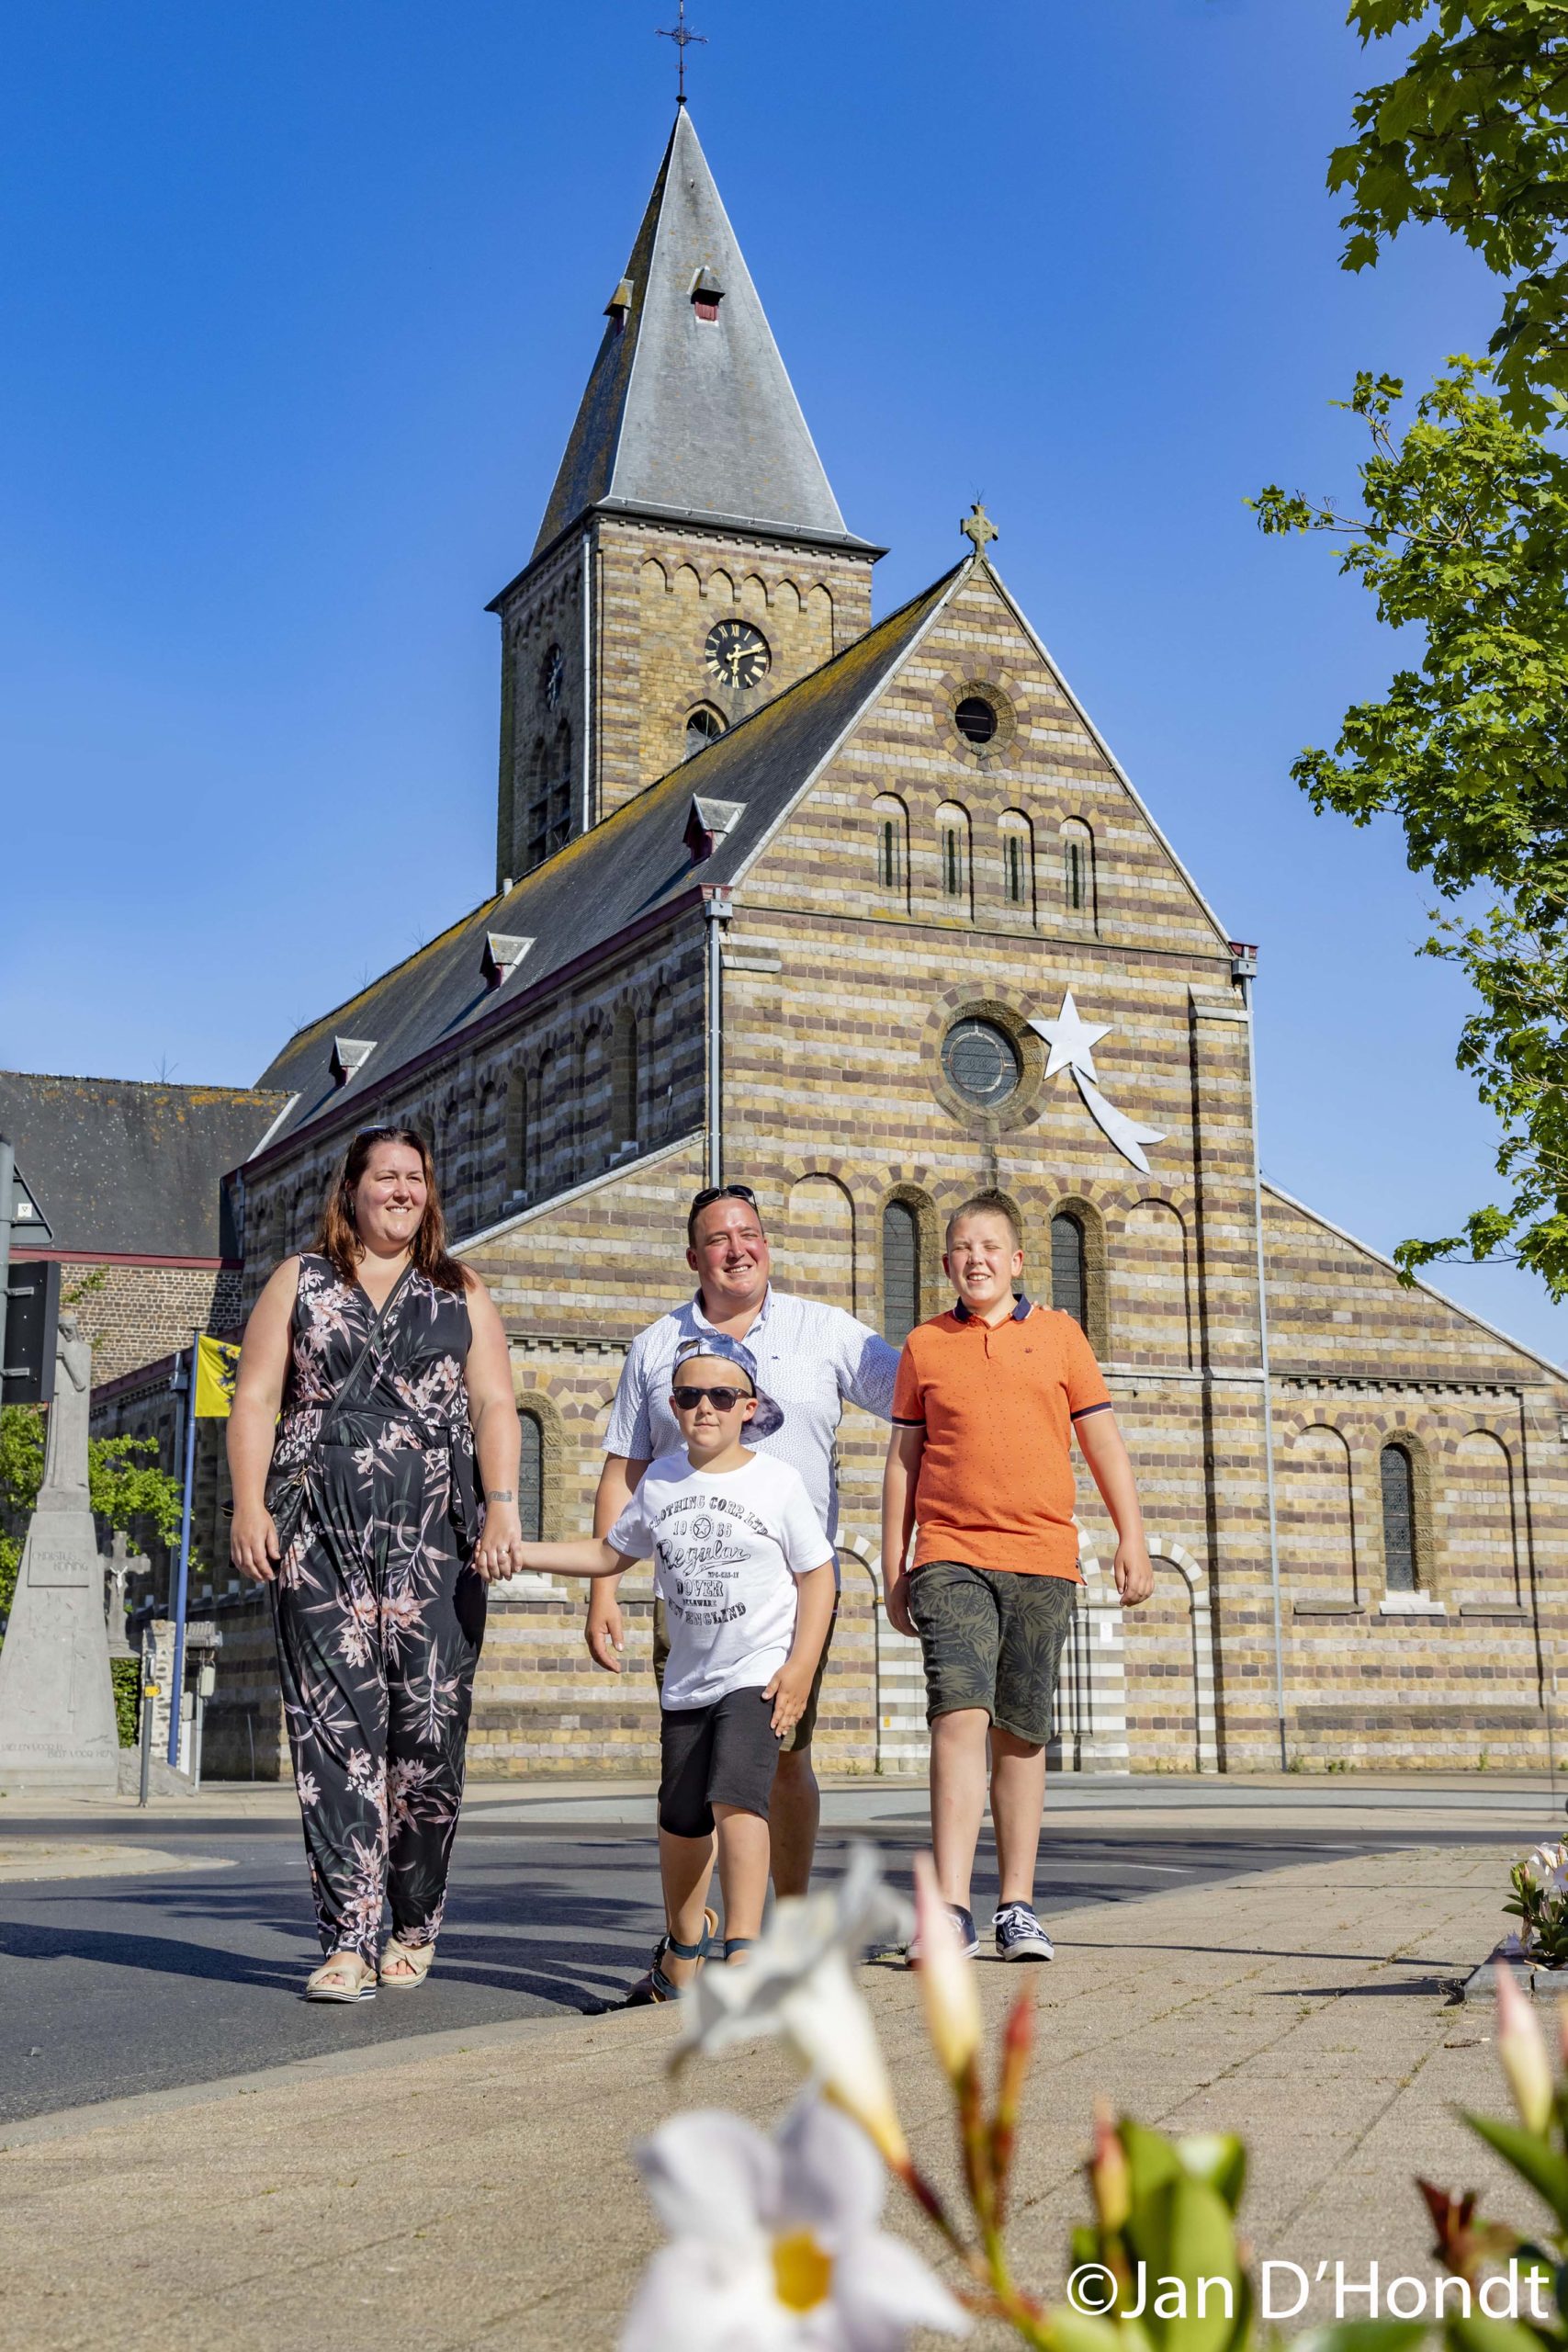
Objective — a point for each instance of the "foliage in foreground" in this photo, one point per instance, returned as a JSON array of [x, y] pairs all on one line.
[[775, 2242], [127, 1489]]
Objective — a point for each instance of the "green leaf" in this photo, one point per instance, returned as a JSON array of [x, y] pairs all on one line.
[[1478, 2334], [1364, 2336], [1545, 2170], [1185, 2234], [1218, 2157]]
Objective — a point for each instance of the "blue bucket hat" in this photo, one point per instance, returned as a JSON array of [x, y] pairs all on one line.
[[769, 1416]]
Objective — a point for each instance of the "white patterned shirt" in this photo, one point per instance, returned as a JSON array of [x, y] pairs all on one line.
[[811, 1359]]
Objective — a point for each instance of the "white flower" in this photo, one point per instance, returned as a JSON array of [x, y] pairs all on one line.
[[774, 2243], [797, 1983], [1521, 2046]]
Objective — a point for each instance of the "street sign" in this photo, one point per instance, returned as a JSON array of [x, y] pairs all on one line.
[[32, 1315], [28, 1223]]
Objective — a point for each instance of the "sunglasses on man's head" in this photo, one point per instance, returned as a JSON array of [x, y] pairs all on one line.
[[705, 1200], [723, 1401]]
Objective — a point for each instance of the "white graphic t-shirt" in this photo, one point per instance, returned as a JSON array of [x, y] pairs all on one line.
[[726, 1547]]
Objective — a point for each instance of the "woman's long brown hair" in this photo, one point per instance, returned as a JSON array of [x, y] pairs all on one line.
[[336, 1237]]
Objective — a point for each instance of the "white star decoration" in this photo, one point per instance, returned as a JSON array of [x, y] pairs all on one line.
[[1072, 1041]]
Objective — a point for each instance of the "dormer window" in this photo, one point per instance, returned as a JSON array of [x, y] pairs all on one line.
[[707, 824], [349, 1056], [706, 294], [503, 951], [618, 308]]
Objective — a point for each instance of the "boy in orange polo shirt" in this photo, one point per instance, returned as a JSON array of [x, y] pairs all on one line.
[[984, 1409]]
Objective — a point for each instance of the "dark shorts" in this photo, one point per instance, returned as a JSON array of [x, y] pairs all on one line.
[[721, 1754], [992, 1638], [793, 1741]]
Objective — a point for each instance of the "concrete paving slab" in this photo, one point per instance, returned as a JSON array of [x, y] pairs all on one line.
[[31, 1860], [475, 2187]]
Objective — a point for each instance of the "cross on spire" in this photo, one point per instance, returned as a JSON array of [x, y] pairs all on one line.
[[682, 36], [978, 527]]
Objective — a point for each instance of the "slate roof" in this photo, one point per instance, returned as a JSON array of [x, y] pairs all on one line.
[[632, 867], [686, 417], [132, 1169]]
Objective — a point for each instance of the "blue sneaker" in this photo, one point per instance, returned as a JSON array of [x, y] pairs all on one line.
[[964, 1923], [1019, 1935]]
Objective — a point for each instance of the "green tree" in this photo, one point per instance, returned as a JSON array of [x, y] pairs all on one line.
[[126, 1487], [1462, 537]]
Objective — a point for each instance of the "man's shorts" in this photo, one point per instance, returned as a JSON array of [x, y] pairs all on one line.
[[801, 1735], [723, 1753], [992, 1638]]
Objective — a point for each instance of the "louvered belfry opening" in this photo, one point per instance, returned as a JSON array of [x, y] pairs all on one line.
[[1069, 1284], [900, 1272], [1398, 1519]]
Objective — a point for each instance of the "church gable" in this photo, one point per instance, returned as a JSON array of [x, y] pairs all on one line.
[[1338, 1312], [973, 792]]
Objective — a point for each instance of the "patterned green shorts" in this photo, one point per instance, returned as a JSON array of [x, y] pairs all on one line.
[[991, 1638]]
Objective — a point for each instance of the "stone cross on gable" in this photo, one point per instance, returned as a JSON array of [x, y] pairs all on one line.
[[978, 527]]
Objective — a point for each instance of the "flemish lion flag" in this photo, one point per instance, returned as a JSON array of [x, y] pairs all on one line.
[[217, 1369]]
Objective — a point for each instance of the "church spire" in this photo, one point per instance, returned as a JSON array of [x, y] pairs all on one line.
[[689, 414]]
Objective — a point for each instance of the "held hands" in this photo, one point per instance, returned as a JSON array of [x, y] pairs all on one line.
[[789, 1690], [253, 1543], [1134, 1571], [501, 1553]]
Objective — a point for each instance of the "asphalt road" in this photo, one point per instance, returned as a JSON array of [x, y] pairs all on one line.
[[116, 1985]]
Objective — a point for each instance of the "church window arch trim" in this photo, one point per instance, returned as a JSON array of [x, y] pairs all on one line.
[[954, 864], [1080, 880], [1018, 861], [1078, 1247], [891, 817]]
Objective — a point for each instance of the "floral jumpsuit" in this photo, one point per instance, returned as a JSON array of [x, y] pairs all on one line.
[[380, 1614]]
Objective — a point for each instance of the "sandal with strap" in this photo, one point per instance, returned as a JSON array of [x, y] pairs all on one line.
[[653, 1984], [420, 1959], [732, 1944], [356, 1979]]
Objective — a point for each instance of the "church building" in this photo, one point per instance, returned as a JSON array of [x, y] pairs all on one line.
[[865, 914]]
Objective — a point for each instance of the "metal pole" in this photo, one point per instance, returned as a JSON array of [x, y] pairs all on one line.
[[587, 593], [176, 1678], [149, 1692], [715, 907], [7, 1194], [1244, 966]]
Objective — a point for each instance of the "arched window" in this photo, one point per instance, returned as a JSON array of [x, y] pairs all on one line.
[[953, 848], [1077, 872], [516, 1133], [1069, 1267], [531, 1478], [702, 726], [1401, 1565], [892, 821], [538, 804], [1017, 860], [900, 1272], [624, 1081], [561, 789]]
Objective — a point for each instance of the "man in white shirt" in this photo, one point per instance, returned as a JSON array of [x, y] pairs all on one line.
[[812, 1358]]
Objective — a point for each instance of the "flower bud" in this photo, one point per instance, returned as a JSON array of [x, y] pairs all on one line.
[[1522, 2048], [948, 1989], [1109, 2175]]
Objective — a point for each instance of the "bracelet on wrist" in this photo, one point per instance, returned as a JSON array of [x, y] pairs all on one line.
[[501, 1495]]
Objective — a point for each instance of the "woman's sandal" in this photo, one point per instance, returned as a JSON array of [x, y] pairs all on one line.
[[655, 1986], [356, 1979], [420, 1959], [732, 1944]]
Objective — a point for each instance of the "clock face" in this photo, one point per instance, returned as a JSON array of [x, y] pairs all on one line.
[[555, 675], [736, 654]]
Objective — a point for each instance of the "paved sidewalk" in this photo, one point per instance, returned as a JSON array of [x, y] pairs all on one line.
[[473, 2189]]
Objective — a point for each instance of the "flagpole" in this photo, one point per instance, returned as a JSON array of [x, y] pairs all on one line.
[[176, 1693]]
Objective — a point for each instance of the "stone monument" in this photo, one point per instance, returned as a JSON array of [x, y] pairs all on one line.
[[57, 1714]]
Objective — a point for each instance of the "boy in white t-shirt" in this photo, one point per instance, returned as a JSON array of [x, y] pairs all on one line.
[[746, 1575]]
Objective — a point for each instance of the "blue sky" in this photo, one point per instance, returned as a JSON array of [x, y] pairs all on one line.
[[299, 303]]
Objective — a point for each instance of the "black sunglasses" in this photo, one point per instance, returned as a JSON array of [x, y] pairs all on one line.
[[724, 1400], [705, 1199]]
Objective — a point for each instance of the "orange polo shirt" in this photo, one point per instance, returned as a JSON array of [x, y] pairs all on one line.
[[997, 1406]]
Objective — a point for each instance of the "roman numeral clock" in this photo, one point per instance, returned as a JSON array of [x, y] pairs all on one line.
[[735, 654]]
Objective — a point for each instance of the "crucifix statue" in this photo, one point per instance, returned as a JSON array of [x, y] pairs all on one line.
[[978, 527], [682, 36]]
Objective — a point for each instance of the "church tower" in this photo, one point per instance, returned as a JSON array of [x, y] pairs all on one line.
[[693, 561]]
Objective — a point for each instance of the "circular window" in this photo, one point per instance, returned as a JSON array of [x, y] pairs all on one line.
[[981, 1063], [976, 718]]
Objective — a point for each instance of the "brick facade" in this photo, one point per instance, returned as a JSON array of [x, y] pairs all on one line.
[[840, 981]]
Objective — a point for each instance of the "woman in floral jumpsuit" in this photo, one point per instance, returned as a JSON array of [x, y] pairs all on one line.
[[390, 1366]]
